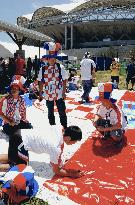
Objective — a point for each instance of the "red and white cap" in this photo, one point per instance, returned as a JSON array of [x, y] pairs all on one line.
[[18, 83], [52, 49], [105, 90]]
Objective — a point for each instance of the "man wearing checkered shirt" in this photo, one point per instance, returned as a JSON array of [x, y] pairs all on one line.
[[52, 81]]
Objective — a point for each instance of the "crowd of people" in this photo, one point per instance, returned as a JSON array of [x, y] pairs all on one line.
[[50, 83], [17, 66]]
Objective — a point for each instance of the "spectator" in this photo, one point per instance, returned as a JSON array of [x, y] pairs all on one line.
[[109, 120], [23, 82], [11, 68], [130, 74], [29, 68], [20, 65], [3, 65], [34, 90], [4, 79], [13, 110], [115, 71], [87, 76], [1, 68], [73, 81], [36, 66], [52, 80], [50, 141]]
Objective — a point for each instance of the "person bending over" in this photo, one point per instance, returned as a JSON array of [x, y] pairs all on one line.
[[50, 141]]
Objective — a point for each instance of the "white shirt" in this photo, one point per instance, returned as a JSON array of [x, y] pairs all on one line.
[[112, 115], [86, 68], [74, 80], [47, 140]]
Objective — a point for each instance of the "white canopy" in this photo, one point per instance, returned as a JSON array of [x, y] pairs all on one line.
[[21, 31]]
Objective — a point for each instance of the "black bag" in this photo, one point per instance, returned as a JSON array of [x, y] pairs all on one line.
[[103, 123]]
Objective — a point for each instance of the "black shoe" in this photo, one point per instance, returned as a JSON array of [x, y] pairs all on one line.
[[87, 101], [82, 101], [131, 89]]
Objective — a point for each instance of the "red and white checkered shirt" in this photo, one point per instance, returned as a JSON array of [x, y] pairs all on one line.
[[8, 107], [53, 87]]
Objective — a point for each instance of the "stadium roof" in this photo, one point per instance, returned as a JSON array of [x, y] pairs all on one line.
[[96, 4], [46, 12], [21, 31]]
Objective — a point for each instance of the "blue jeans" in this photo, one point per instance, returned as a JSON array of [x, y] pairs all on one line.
[[61, 109], [87, 86], [72, 86]]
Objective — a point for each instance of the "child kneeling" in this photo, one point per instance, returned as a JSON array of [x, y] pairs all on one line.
[[109, 120]]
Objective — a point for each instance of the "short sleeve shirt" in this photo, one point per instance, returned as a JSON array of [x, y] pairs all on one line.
[[114, 115], [131, 70], [86, 68], [52, 87], [115, 69], [48, 140], [109, 114], [20, 66]]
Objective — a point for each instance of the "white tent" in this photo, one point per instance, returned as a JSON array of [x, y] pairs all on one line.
[[66, 57], [21, 31]]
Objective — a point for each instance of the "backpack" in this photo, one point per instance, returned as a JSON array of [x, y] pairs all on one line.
[[19, 184]]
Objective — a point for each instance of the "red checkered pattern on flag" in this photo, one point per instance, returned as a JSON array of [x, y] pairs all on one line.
[[108, 170]]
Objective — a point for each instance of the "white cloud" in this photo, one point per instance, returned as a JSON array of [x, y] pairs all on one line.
[[31, 51], [73, 3], [68, 7], [62, 7], [36, 5], [28, 16]]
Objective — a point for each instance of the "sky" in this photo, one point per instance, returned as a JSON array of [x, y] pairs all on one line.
[[11, 9]]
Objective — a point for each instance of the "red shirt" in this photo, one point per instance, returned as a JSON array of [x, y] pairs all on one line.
[[20, 66]]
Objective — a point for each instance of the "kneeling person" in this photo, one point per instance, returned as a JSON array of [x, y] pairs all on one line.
[[51, 142], [109, 120]]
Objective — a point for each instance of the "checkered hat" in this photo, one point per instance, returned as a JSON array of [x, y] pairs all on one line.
[[87, 55], [105, 90], [52, 50], [20, 78], [19, 183]]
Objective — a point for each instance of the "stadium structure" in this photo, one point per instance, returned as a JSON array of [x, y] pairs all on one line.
[[95, 23]]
